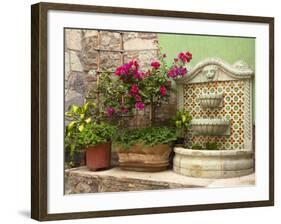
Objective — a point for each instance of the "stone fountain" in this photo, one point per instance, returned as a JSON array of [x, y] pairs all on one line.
[[219, 98]]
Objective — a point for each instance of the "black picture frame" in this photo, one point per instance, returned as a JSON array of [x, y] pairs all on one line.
[[39, 110]]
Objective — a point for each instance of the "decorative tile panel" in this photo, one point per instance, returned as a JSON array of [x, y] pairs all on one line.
[[232, 108]]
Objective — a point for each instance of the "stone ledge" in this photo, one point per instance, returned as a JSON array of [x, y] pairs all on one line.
[[82, 180]]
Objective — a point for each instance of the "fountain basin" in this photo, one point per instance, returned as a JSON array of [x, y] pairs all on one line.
[[213, 163], [210, 126], [210, 100]]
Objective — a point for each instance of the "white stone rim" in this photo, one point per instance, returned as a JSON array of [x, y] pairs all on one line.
[[206, 152], [211, 96]]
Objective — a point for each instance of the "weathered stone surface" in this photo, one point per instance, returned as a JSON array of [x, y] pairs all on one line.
[[89, 33], [73, 97], [75, 63], [76, 82], [73, 39], [139, 44], [109, 60], [110, 40], [81, 180], [66, 65], [143, 57]]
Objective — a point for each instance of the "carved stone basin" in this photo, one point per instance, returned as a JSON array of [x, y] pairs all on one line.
[[210, 126], [213, 163], [210, 100]]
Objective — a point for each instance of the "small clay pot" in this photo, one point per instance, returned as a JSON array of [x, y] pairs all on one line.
[[99, 156]]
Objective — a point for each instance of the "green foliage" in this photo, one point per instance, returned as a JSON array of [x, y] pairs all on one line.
[[111, 91], [78, 117], [182, 121], [211, 146], [197, 146], [94, 134], [148, 136], [150, 86]]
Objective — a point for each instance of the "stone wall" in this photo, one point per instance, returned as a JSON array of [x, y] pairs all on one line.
[[81, 63]]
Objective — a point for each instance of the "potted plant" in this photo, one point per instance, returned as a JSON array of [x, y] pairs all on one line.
[[181, 121], [131, 91], [145, 149], [96, 138], [77, 117]]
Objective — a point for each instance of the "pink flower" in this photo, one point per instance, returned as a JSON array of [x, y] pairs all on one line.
[[189, 56], [123, 110], [163, 90], [139, 106], [138, 98], [177, 71], [185, 57], [134, 90], [138, 75], [155, 64], [110, 111], [182, 57]]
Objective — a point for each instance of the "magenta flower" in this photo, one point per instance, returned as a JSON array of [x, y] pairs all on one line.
[[177, 71], [139, 106], [155, 64], [134, 90], [189, 55], [163, 90], [123, 110], [185, 57], [110, 111], [138, 98]]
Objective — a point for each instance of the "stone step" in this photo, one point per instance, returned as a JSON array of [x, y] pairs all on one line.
[[82, 180]]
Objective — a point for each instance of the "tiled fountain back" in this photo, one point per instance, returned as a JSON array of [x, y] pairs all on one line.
[[232, 109]]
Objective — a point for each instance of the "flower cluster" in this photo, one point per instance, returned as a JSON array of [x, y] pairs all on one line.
[[155, 64], [144, 88], [185, 57], [178, 69], [177, 72], [129, 71]]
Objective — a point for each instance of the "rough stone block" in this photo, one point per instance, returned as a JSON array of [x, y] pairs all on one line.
[[73, 39], [75, 63]]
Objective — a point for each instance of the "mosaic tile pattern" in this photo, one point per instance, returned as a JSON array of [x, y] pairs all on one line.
[[232, 108]]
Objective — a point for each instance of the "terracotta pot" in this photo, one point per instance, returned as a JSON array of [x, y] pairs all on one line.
[[98, 156], [144, 158]]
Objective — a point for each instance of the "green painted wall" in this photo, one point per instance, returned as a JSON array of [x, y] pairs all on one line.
[[230, 49]]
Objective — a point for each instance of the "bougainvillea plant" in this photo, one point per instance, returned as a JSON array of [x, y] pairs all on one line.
[[136, 88]]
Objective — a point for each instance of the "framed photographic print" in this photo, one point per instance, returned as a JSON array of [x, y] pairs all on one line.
[[139, 111]]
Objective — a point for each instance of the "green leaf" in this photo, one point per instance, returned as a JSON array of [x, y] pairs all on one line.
[[88, 120], [75, 108], [81, 127], [71, 125]]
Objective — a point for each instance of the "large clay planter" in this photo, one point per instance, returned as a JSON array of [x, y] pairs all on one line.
[[213, 163], [98, 156], [144, 158]]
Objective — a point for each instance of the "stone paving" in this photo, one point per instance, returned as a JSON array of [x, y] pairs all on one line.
[[82, 180]]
